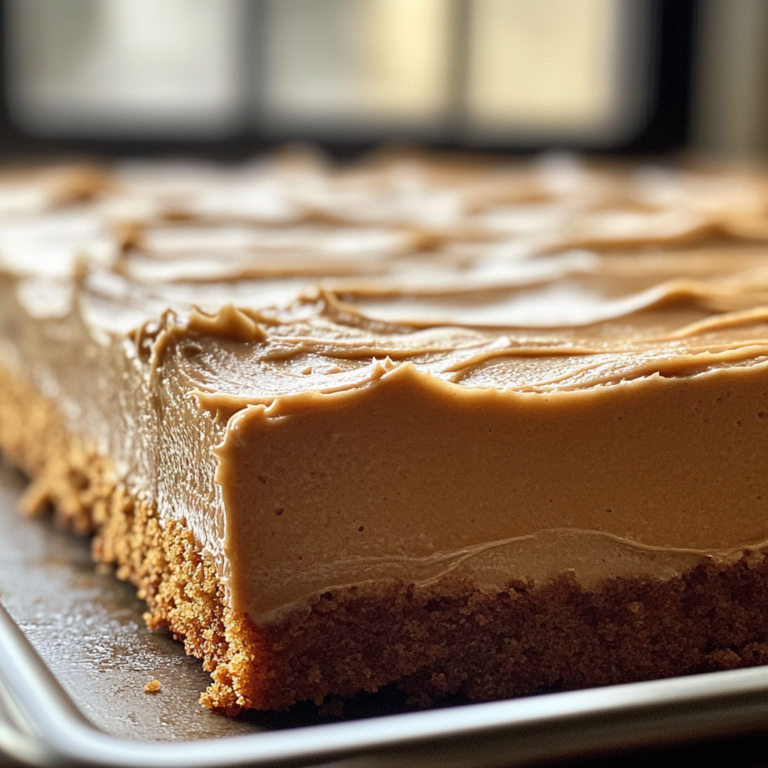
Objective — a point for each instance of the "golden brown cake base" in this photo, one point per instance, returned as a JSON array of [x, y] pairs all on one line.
[[430, 641]]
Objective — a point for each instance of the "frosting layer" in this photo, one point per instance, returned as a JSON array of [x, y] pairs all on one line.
[[409, 369]]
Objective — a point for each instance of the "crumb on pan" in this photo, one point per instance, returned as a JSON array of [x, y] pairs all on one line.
[[153, 686]]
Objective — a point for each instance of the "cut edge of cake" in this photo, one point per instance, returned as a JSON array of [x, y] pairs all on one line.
[[431, 641]]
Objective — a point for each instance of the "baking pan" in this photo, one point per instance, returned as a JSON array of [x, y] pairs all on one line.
[[75, 657]]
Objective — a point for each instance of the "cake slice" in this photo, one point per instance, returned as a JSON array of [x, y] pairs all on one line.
[[459, 428]]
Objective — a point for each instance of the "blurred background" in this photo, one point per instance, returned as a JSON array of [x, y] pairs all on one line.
[[231, 77]]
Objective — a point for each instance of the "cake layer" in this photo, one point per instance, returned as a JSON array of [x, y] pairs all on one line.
[[407, 400], [430, 640], [414, 479]]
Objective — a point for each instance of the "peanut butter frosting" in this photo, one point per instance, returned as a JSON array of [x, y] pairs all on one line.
[[409, 369]]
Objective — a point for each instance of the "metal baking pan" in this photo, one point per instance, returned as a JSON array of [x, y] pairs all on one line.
[[75, 656]]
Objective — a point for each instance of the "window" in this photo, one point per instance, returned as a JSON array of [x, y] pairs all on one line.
[[496, 73]]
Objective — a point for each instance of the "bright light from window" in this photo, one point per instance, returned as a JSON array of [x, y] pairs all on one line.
[[487, 70], [126, 66], [551, 67], [358, 60]]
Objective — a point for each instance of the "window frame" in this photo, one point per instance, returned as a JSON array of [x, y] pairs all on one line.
[[665, 127]]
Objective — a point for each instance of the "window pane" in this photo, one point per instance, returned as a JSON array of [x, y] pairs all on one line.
[[336, 62], [126, 66], [551, 66]]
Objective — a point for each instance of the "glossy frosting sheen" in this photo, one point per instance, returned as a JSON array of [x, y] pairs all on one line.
[[408, 369]]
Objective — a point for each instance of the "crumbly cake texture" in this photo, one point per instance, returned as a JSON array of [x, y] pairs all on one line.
[[430, 641]]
